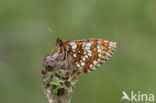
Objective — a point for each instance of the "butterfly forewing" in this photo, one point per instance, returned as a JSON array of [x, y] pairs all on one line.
[[88, 54]]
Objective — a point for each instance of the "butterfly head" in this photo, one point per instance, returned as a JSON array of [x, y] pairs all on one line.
[[59, 42]]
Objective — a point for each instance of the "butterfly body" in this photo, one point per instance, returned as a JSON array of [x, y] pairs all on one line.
[[87, 54]]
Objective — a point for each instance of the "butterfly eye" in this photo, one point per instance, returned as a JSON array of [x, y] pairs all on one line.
[[59, 42]]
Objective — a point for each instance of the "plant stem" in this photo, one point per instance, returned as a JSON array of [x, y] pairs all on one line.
[[56, 99]]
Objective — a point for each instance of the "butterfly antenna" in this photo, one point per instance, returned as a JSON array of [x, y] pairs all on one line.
[[52, 30]]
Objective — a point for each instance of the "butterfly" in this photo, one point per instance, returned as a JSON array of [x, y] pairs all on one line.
[[87, 54]]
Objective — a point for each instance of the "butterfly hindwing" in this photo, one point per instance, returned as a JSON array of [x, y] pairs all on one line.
[[88, 54]]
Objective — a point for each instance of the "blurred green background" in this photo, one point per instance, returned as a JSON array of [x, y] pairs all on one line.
[[25, 40]]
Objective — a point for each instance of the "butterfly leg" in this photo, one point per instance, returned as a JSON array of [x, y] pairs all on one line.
[[52, 50], [65, 56], [79, 72]]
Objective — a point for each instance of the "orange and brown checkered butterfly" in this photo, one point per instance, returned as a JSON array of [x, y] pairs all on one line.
[[87, 54]]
